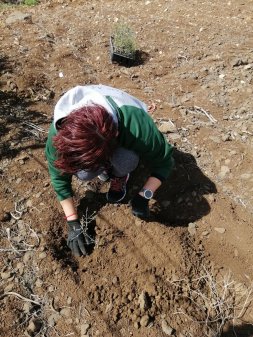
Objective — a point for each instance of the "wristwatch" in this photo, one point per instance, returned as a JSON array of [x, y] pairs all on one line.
[[148, 194]]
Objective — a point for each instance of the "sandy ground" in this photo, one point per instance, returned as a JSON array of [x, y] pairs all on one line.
[[188, 271]]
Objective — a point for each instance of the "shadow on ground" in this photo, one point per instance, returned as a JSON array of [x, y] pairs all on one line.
[[179, 201], [244, 330], [181, 198], [19, 125]]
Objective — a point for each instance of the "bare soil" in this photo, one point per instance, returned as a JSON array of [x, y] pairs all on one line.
[[195, 63]]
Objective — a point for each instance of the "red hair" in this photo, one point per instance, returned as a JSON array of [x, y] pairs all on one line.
[[85, 140]]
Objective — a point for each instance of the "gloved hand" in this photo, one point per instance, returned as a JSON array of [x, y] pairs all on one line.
[[77, 241], [140, 206]]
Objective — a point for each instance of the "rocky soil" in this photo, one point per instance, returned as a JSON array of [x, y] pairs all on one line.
[[188, 271]]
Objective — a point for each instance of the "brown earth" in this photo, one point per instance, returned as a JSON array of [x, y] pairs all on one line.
[[195, 62]]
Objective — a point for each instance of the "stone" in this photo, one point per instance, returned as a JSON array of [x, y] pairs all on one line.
[[42, 255], [38, 283], [28, 256], [9, 287], [29, 203], [144, 320], [166, 328], [52, 319], [138, 222], [211, 197], [18, 16], [65, 312], [226, 137], [174, 136], [205, 233], [84, 329], [248, 66], [185, 98], [192, 228], [239, 62], [115, 280], [27, 307], [224, 171], [143, 300], [5, 275], [136, 325], [34, 325], [245, 176], [215, 139], [167, 127], [220, 230]]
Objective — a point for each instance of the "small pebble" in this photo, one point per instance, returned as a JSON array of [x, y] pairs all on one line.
[[192, 228], [84, 328], [143, 300], [220, 230], [27, 307], [5, 275], [42, 255], [168, 330], [52, 319], [65, 312], [28, 255], [9, 287], [38, 283], [144, 320], [138, 222]]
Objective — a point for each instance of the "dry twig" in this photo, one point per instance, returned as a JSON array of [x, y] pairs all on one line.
[[216, 302], [12, 293]]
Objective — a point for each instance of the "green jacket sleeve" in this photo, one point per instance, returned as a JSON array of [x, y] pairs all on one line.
[[61, 182], [137, 131]]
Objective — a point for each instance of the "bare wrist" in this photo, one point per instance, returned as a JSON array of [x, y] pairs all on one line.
[[70, 217]]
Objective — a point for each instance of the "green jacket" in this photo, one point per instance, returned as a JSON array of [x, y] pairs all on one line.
[[137, 132]]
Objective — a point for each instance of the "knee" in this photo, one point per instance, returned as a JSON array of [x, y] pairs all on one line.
[[85, 176]]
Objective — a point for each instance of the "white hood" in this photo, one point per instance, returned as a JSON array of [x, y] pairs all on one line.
[[81, 96]]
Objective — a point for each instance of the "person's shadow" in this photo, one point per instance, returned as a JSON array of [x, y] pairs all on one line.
[[244, 330], [181, 198], [179, 201]]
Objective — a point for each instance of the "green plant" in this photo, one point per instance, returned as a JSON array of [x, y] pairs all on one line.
[[30, 2], [124, 40]]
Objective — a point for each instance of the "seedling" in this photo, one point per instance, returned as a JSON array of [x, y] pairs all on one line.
[[30, 2], [123, 46]]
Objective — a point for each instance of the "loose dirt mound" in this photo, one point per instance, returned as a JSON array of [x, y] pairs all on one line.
[[186, 272]]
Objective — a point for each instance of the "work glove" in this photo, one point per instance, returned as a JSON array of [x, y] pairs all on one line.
[[140, 206], [77, 239]]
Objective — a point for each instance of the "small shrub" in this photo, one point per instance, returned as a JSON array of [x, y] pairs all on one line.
[[124, 40], [30, 2]]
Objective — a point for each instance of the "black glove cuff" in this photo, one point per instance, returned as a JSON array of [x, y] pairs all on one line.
[[140, 200], [72, 222]]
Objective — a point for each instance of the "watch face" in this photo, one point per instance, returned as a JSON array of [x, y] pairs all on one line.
[[148, 194]]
